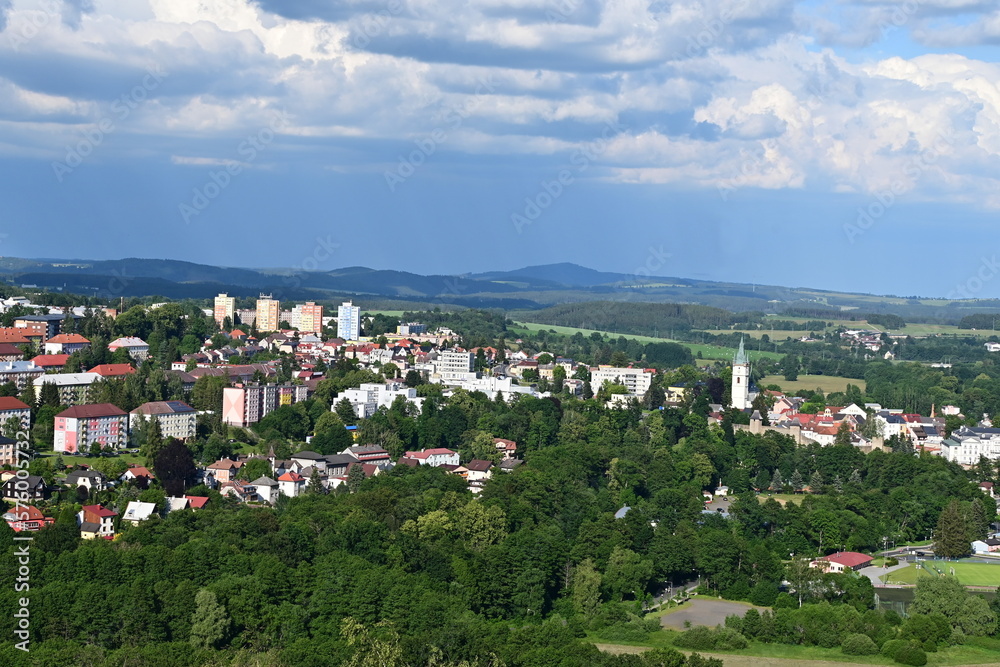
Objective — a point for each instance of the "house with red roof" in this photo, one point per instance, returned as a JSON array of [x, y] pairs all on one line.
[[507, 448], [96, 521], [135, 472], [291, 484], [113, 370], [435, 457], [842, 561], [27, 518], [66, 344], [197, 502], [18, 336], [223, 470]]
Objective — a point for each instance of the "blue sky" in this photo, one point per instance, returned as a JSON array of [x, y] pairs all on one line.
[[842, 144]]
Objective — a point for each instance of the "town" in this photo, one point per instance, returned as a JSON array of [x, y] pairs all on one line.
[[115, 421]]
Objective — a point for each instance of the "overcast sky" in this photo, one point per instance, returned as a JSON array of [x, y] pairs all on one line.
[[843, 144]]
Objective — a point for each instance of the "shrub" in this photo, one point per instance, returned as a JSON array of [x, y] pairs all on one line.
[[891, 562], [891, 647], [698, 639], [859, 645], [727, 639], [624, 632], [911, 654]]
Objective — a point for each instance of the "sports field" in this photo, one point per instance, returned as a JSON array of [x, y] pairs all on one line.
[[970, 574]]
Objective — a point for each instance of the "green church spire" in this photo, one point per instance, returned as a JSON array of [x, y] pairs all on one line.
[[741, 355]]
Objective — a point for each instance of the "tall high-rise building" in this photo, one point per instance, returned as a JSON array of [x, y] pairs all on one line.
[[310, 317], [348, 321], [225, 306], [268, 313]]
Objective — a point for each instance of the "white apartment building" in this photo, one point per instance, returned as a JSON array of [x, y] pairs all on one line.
[[348, 321], [452, 365], [177, 418], [371, 396], [966, 445], [636, 380]]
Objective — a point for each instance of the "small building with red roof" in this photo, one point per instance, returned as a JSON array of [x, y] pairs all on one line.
[[842, 561], [9, 352], [435, 457], [27, 518], [66, 344], [96, 521], [113, 370], [51, 362], [291, 484]]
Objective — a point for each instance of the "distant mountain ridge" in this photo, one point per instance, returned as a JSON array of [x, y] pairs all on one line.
[[528, 288]]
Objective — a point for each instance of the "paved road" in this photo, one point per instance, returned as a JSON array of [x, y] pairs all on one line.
[[874, 573]]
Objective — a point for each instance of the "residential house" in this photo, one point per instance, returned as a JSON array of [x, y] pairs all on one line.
[[291, 484], [177, 419], [197, 502], [137, 348], [81, 427], [223, 470], [435, 457], [306, 458], [26, 518], [510, 465], [479, 471], [507, 448], [267, 489], [137, 474], [66, 344], [96, 521], [241, 491], [136, 512], [92, 480], [25, 489], [336, 464]]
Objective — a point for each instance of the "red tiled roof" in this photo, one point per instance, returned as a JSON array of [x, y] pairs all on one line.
[[11, 403], [68, 338], [291, 477], [429, 452], [847, 558], [16, 336], [99, 511], [140, 471], [112, 370], [49, 360], [197, 502], [90, 411], [6, 349]]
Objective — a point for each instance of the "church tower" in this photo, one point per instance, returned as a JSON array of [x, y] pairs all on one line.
[[741, 379]]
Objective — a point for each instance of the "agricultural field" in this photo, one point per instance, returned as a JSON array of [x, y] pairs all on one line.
[[969, 573], [708, 352], [825, 383]]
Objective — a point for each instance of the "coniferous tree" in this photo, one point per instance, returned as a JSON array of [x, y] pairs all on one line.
[[315, 485], [979, 525], [355, 477], [796, 481], [816, 482], [777, 484], [951, 537], [345, 411]]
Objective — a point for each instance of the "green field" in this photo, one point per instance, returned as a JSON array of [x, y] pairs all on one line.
[[975, 651], [970, 574], [825, 383], [707, 351], [794, 498]]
